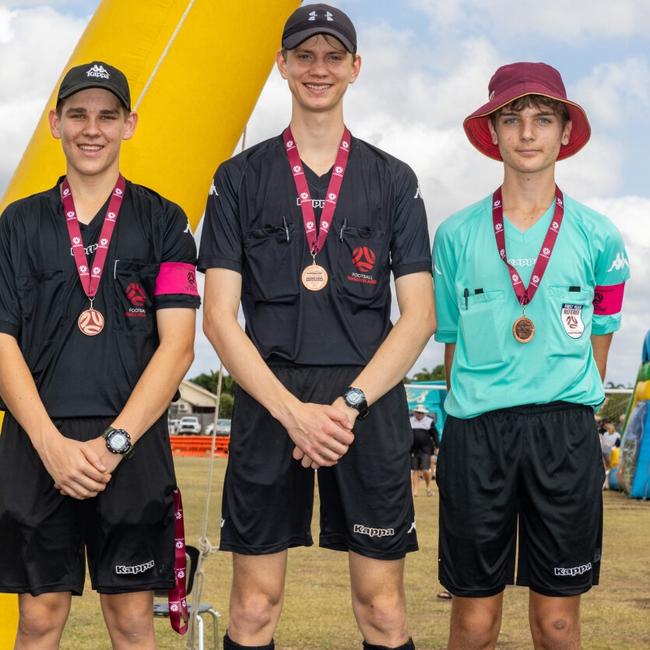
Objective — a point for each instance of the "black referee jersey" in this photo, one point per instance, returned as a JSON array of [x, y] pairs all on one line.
[[41, 296], [253, 225]]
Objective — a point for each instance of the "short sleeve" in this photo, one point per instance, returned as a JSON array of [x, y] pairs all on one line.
[[612, 270], [221, 238], [176, 281], [410, 248], [444, 266], [9, 304]]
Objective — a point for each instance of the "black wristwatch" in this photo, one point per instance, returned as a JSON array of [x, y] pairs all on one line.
[[118, 441], [355, 398]]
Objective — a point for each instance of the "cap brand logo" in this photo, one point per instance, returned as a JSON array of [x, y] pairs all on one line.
[[491, 96], [98, 71], [364, 258], [313, 15]]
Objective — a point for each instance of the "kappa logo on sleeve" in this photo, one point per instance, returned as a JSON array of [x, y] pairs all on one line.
[[619, 263], [572, 321]]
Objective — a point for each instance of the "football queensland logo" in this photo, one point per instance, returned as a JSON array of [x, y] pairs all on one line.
[[364, 259], [137, 297]]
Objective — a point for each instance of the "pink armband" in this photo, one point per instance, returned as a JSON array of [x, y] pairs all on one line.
[[176, 278], [608, 299]]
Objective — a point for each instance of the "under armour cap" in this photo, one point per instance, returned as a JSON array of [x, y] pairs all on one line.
[[96, 74], [510, 82], [310, 20]]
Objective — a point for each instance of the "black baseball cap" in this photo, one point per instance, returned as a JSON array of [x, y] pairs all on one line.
[[310, 20], [95, 74]]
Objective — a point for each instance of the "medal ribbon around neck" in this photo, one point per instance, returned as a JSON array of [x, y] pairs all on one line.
[[316, 243], [91, 321], [525, 294]]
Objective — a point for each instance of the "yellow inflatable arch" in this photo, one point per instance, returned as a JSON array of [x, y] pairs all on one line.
[[196, 69]]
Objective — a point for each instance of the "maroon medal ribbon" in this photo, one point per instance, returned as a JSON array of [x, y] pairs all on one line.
[[315, 277], [523, 328], [177, 598], [91, 321]]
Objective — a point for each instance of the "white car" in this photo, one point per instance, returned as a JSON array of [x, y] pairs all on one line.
[[189, 424], [223, 427]]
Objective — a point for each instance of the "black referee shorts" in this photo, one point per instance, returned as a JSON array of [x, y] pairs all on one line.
[[365, 499], [537, 468], [127, 531]]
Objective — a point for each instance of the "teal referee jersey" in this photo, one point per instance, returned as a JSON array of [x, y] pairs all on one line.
[[580, 295]]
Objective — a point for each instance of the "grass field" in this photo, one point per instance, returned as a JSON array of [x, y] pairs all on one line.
[[317, 614]]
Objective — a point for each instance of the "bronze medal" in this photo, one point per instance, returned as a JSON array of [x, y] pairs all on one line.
[[90, 322], [523, 329], [314, 277]]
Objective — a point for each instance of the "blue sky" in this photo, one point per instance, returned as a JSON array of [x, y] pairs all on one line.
[[426, 66]]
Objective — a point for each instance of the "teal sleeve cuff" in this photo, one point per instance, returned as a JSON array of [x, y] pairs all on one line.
[[602, 325], [446, 336]]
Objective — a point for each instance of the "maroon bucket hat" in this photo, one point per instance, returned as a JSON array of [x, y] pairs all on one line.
[[516, 80]]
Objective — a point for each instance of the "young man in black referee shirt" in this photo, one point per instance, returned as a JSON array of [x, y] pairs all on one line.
[[97, 308], [306, 243]]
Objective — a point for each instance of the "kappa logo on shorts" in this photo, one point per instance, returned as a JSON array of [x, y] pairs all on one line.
[[123, 569], [572, 320], [360, 529], [572, 571]]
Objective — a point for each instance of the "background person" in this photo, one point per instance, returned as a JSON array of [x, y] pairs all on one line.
[[425, 442]]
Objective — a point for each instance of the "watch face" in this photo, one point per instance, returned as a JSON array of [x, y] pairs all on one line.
[[118, 441], [354, 396]]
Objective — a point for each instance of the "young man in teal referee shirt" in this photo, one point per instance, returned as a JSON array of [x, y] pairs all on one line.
[[529, 287]]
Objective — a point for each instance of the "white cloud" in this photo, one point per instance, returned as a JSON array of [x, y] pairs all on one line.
[[615, 92], [554, 19], [35, 45]]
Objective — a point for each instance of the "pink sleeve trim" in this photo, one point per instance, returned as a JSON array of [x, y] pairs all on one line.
[[608, 299], [176, 278]]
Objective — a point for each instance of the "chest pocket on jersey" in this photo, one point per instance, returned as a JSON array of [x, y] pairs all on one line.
[[134, 285], [482, 340], [272, 256], [363, 267], [41, 298], [569, 331]]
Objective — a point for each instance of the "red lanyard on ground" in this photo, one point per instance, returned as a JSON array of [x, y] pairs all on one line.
[[177, 598]]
